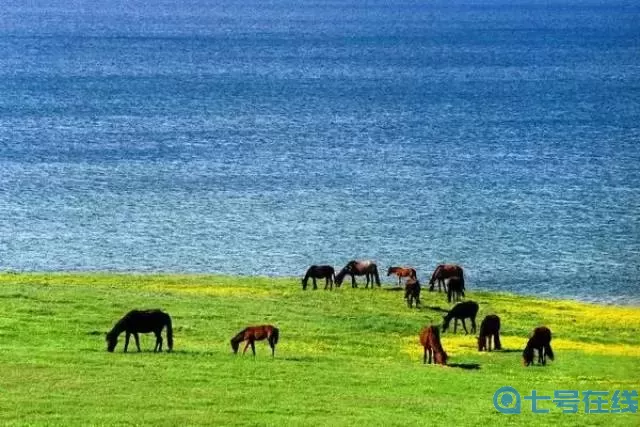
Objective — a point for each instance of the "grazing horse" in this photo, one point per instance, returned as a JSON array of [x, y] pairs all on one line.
[[359, 268], [319, 272], [412, 292], [541, 341], [251, 334], [461, 311], [430, 341], [443, 272], [408, 272], [141, 321], [455, 289], [490, 327]]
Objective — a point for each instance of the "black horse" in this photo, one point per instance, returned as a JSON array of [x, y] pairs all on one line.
[[541, 341], [490, 327], [319, 272], [461, 311], [141, 321]]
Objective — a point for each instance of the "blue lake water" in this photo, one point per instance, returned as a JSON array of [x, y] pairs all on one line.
[[259, 137]]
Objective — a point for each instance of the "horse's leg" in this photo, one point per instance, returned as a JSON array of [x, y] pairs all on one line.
[[246, 346], [273, 347], [314, 284], [126, 341], [353, 281], [424, 357], [137, 338], [488, 342], [430, 355], [455, 325], [158, 346], [253, 348], [465, 327]]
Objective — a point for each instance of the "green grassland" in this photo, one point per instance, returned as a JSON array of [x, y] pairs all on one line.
[[347, 357]]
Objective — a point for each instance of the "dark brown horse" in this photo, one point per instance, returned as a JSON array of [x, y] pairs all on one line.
[[251, 334], [455, 289], [490, 327], [541, 341], [408, 272], [461, 311], [412, 292], [430, 341], [319, 272], [442, 273], [141, 321], [359, 268]]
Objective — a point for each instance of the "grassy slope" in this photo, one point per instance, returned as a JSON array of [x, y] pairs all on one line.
[[345, 357]]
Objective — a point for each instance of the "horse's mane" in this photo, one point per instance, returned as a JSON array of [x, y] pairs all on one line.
[[119, 326]]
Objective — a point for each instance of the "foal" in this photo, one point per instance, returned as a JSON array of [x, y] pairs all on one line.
[[455, 289], [490, 327], [251, 334], [461, 311], [412, 292], [430, 341], [541, 341]]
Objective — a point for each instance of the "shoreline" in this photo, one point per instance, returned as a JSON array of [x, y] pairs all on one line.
[[547, 297]]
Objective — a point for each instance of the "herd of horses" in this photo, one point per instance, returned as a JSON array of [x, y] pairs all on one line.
[[448, 277]]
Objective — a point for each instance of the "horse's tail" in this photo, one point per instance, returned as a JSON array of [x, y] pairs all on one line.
[[548, 351], [275, 335], [376, 275], [169, 333], [414, 275]]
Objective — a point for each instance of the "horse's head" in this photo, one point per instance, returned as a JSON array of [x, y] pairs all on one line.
[[112, 341], [527, 355], [441, 357], [445, 322], [482, 342], [235, 345]]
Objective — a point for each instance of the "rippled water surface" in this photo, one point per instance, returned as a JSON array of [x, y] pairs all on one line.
[[260, 137]]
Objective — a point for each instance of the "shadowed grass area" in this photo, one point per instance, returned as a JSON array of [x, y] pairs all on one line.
[[345, 357]]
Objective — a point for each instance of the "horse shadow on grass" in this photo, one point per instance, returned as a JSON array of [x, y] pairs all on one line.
[[465, 366]]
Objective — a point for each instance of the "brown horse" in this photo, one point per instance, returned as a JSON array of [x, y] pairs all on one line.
[[541, 341], [443, 272], [359, 268], [256, 333], [455, 289], [408, 272], [412, 292], [461, 311], [490, 327], [319, 272], [430, 341]]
